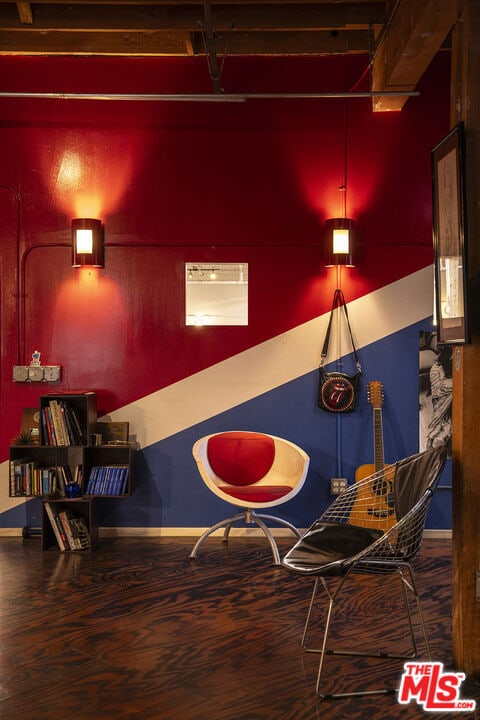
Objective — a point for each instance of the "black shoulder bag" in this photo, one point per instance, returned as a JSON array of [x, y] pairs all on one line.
[[337, 391]]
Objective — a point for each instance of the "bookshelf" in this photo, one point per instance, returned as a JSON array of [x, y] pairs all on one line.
[[65, 454]]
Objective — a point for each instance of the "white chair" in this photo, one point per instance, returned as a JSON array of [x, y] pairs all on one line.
[[253, 471]]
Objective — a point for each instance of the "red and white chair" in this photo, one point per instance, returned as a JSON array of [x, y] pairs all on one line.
[[253, 471]]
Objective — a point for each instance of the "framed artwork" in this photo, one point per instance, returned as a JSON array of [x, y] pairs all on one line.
[[31, 425], [113, 432], [449, 239]]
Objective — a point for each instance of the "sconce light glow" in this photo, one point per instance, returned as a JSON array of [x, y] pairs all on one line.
[[87, 242], [339, 241], [84, 241]]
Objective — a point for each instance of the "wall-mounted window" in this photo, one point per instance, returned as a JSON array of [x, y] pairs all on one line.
[[216, 294]]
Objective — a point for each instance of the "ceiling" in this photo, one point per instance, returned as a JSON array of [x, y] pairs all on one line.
[[400, 36]]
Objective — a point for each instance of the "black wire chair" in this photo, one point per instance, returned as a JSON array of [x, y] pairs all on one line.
[[374, 527]]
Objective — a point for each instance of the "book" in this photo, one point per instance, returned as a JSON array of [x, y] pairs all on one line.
[[56, 526], [78, 432], [107, 480], [22, 477], [58, 422], [80, 532]]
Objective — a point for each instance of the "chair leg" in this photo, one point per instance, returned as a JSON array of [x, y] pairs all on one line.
[[227, 524], [250, 517], [412, 586], [407, 584], [281, 521]]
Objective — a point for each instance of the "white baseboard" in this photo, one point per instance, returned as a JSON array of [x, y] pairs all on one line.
[[196, 532], [189, 532]]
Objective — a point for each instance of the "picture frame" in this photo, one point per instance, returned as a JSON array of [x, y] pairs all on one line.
[[113, 432], [30, 427], [449, 239]]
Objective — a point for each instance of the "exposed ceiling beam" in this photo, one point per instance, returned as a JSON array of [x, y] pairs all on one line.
[[291, 16], [412, 37], [24, 10], [153, 42], [401, 37]]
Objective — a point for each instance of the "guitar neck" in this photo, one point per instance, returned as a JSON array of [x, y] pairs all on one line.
[[378, 455]]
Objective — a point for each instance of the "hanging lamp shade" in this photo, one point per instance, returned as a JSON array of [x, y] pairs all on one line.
[[339, 242], [87, 242]]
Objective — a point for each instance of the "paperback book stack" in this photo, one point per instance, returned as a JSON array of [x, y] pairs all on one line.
[[70, 531]]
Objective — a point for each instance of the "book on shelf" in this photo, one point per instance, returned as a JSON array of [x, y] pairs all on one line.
[[57, 527], [61, 424], [107, 480], [71, 531], [75, 529], [27, 479]]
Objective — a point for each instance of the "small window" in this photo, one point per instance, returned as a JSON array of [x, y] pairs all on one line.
[[216, 294]]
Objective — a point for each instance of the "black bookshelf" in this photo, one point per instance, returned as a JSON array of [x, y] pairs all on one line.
[[46, 470]]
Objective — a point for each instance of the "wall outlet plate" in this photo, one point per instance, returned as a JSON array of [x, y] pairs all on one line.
[[51, 373], [20, 373], [35, 373], [338, 485]]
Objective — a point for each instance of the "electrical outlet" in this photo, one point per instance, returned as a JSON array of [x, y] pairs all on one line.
[[35, 373], [338, 485], [51, 373], [20, 373]]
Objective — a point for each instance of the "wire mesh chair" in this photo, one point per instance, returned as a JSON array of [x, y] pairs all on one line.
[[375, 527]]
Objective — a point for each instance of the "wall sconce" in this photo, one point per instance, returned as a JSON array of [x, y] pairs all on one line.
[[87, 242], [339, 241]]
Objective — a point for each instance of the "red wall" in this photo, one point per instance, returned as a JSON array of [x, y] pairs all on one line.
[[249, 182]]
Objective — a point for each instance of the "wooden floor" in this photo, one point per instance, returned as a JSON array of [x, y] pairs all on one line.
[[136, 630]]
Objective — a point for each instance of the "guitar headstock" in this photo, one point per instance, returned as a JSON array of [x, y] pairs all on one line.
[[375, 394]]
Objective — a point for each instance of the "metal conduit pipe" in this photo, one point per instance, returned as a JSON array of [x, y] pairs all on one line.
[[230, 97]]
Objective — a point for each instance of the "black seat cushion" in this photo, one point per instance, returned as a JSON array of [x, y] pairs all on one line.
[[325, 547]]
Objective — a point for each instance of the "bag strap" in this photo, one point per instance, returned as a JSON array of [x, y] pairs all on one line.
[[338, 301]]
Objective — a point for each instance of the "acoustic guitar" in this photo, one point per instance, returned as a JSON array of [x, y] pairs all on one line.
[[382, 512]]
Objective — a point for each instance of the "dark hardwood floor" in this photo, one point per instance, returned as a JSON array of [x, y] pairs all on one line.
[[136, 630]]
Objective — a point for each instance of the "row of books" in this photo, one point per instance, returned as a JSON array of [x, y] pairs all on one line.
[[26, 479], [107, 480], [70, 530], [60, 424]]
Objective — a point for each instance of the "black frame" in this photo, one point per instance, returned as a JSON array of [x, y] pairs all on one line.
[[449, 238]]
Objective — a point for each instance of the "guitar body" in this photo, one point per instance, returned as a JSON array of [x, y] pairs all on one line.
[[364, 471], [381, 512]]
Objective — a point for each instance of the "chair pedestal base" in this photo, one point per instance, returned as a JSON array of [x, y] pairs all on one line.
[[250, 517]]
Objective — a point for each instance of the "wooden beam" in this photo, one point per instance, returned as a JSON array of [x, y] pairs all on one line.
[[288, 17], [465, 105], [356, 7], [292, 43], [154, 42], [412, 37], [24, 10], [33, 42]]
